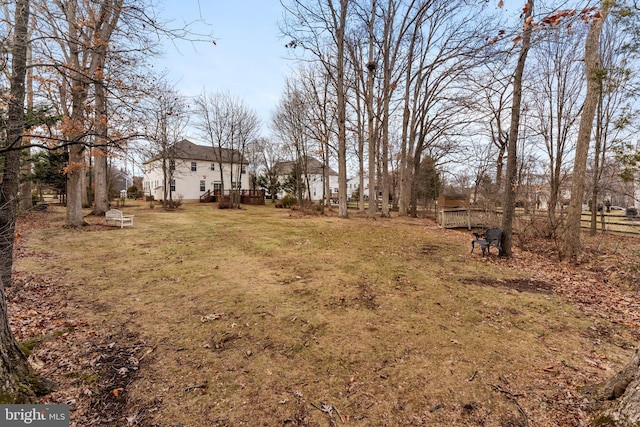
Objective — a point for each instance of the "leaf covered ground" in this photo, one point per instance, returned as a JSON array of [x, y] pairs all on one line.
[[206, 317]]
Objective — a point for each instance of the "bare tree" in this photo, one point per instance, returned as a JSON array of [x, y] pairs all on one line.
[[593, 66], [614, 106], [435, 103], [267, 155], [319, 27], [229, 126], [511, 176], [290, 123], [165, 125], [492, 86], [556, 92], [321, 108]]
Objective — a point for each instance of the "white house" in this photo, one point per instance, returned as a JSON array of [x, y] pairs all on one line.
[[195, 170], [314, 177], [353, 187]]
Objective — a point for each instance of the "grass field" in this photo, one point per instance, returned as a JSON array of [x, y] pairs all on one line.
[[266, 317]]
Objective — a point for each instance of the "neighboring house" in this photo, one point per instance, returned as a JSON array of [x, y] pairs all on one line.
[[196, 171], [315, 169], [353, 187], [120, 180]]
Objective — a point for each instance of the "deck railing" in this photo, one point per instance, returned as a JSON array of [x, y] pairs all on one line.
[[247, 197]]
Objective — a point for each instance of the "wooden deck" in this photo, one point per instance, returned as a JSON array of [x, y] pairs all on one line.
[[247, 197]]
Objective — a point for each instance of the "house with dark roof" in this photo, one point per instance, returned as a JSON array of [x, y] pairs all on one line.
[[195, 170], [314, 176]]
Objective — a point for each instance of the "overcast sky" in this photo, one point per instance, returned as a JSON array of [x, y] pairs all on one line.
[[248, 59]]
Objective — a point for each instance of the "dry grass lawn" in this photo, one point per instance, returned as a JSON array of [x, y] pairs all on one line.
[[264, 317]]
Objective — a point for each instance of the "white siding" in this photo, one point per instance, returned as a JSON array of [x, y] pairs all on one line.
[[316, 186], [188, 181]]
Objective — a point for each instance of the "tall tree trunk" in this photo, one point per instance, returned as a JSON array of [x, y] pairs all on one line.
[[15, 373], [342, 111], [511, 177], [76, 167], [597, 167], [100, 150], [571, 248], [371, 127], [25, 186], [325, 173]]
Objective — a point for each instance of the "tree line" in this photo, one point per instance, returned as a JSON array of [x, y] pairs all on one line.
[[390, 88]]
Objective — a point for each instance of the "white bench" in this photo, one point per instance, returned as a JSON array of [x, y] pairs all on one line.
[[115, 217]]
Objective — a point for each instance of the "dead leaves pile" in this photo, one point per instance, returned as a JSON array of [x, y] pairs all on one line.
[[92, 369], [606, 283]]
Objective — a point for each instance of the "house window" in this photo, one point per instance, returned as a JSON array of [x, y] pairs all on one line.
[[243, 169], [213, 166], [173, 185], [172, 165], [202, 186], [235, 185], [194, 167], [217, 186]]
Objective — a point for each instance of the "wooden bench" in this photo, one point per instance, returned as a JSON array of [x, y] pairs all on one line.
[[115, 217]]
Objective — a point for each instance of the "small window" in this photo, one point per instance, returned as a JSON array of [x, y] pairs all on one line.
[[243, 169], [202, 186], [172, 165], [173, 185], [194, 167], [213, 166]]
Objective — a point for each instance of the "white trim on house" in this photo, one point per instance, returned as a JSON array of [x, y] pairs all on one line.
[[193, 172]]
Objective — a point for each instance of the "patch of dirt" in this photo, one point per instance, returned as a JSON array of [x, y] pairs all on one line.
[[520, 285]]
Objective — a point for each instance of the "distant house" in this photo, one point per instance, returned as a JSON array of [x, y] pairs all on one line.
[[353, 187], [120, 180], [314, 176], [196, 170]]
